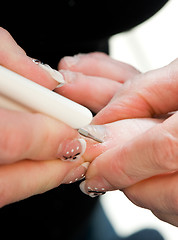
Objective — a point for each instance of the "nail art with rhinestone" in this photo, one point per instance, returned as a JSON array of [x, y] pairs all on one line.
[[56, 75]]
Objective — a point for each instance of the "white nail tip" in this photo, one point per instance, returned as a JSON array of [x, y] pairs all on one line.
[[56, 75], [85, 165], [82, 187], [83, 144]]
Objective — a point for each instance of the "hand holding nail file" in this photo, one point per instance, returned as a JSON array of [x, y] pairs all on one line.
[[43, 100]]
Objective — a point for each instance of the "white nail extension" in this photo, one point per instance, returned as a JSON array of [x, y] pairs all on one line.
[[56, 75]]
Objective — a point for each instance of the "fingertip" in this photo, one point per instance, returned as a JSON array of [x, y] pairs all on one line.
[[68, 62], [91, 189], [69, 76], [104, 116]]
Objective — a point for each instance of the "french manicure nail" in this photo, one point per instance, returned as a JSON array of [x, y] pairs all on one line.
[[71, 150], [56, 75], [76, 174], [91, 191]]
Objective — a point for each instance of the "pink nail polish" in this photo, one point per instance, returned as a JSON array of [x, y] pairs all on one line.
[[71, 150]]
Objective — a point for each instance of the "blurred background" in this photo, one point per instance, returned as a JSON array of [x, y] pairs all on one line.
[[150, 45]]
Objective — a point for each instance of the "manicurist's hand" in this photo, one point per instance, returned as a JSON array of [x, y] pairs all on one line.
[[33, 145]]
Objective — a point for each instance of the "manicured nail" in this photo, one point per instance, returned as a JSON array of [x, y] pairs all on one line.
[[56, 75], [76, 174], [92, 191], [71, 150]]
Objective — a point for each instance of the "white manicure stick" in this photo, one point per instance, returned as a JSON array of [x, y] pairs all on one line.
[[43, 100]]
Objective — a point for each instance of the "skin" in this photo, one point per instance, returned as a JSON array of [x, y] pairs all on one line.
[[28, 151], [21, 137], [138, 155], [144, 163]]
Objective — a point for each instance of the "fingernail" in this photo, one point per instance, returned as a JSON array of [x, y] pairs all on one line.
[[72, 61], [56, 75], [71, 150], [76, 174], [69, 76], [98, 131], [91, 190]]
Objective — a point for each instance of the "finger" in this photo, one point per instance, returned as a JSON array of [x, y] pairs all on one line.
[[13, 57], [145, 155], [169, 218], [112, 134], [90, 91], [99, 64], [35, 136], [23, 179], [151, 194], [146, 95], [107, 172]]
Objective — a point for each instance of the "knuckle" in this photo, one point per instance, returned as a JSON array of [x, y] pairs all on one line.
[[121, 177], [8, 46], [172, 195], [15, 137], [3, 54], [174, 202], [175, 61], [11, 146], [97, 54], [19, 139], [3, 32], [166, 151], [172, 70], [4, 39]]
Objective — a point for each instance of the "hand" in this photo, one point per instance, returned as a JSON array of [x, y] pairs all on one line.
[[93, 79], [146, 95], [158, 194], [144, 168], [149, 159], [116, 90], [32, 144]]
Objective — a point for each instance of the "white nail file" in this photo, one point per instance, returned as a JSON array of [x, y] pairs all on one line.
[[43, 100]]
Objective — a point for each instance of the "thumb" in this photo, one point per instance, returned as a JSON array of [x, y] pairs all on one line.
[[146, 95]]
